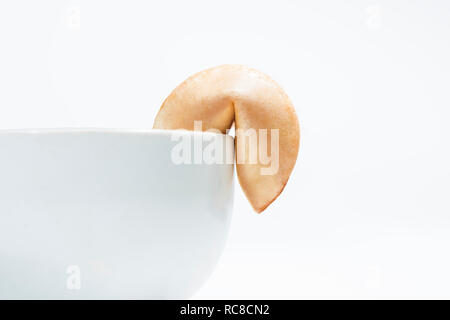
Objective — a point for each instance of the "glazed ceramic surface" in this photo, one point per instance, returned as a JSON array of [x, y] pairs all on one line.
[[104, 214]]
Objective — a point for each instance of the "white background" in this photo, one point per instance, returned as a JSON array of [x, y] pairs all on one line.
[[366, 213]]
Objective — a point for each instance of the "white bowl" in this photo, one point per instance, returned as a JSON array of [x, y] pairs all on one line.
[[106, 214]]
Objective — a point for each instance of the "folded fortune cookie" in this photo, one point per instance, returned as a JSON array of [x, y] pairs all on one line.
[[255, 103]]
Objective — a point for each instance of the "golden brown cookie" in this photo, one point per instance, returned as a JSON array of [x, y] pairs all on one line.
[[256, 104]]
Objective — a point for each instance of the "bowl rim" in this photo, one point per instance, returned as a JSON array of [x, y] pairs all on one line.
[[114, 131]]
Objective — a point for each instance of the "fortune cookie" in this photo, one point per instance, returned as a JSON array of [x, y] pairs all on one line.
[[229, 94]]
